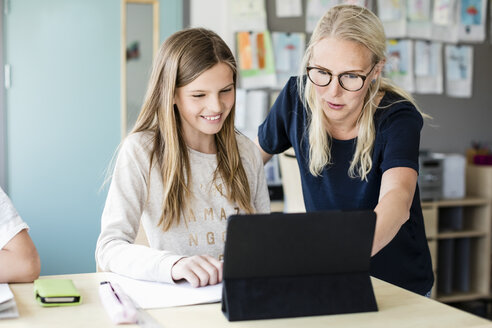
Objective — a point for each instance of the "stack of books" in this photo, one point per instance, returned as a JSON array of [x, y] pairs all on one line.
[[8, 307]]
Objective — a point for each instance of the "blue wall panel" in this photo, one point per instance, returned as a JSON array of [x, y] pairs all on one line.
[[63, 120]]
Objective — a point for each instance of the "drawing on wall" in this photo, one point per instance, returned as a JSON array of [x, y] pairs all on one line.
[[457, 63], [315, 9], [443, 12], [398, 58], [390, 10], [418, 10], [428, 67], [361, 3], [399, 64], [288, 8], [459, 69], [423, 57], [248, 15], [288, 50], [256, 60], [471, 12]]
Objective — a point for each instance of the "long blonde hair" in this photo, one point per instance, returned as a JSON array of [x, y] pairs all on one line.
[[357, 24], [181, 59]]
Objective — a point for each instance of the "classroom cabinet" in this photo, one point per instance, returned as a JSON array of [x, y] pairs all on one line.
[[459, 236], [458, 233]]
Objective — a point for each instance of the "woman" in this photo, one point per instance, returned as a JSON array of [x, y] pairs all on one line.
[[356, 137], [183, 170]]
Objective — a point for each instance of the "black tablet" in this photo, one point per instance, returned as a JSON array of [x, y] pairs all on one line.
[[298, 264]]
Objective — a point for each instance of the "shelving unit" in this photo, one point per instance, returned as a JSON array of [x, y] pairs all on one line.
[[472, 221], [459, 236], [458, 232]]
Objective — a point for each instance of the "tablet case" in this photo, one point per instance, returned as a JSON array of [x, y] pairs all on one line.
[[56, 292], [298, 264]]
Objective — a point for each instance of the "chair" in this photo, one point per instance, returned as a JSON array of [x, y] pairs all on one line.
[[291, 182]]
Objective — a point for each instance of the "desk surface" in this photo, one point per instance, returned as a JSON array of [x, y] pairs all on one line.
[[397, 308]]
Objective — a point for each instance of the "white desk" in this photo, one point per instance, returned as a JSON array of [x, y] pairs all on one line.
[[397, 308]]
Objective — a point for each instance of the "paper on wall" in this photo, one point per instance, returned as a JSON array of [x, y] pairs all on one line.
[[399, 64], [288, 51], [315, 9], [428, 67], [445, 21], [288, 8], [419, 23], [393, 16], [472, 20], [247, 15], [459, 69], [251, 110], [256, 60]]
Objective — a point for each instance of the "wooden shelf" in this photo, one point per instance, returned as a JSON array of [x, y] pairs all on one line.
[[467, 201], [459, 297], [461, 234], [277, 206], [448, 224]]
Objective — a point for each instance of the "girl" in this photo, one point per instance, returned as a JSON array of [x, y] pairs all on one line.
[[183, 169]]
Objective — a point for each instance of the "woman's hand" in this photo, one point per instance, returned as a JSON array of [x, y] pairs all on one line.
[[198, 270]]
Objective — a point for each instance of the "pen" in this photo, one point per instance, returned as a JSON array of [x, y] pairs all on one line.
[[119, 307], [114, 292], [122, 309]]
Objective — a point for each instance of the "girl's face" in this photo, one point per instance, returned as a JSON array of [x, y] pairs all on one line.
[[340, 56], [205, 103]]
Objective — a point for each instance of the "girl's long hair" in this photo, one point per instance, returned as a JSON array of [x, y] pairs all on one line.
[[357, 24], [180, 60]]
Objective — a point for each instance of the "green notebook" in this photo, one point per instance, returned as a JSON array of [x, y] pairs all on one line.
[[56, 292]]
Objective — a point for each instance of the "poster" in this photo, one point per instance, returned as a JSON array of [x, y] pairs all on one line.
[[419, 20], [256, 60], [247, 15], [399, 64], [288, 50], [459, 70], [393, 16], [288, 8], [445, 21], [428, 67], [472, 20]]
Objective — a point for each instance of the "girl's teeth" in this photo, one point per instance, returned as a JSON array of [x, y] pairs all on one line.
[[212, 118]]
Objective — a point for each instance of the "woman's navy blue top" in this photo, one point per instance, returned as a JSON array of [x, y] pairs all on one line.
[[406, 260]]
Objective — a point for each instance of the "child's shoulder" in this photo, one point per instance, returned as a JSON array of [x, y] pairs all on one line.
[[139, 140], [244, 142], [247, 148]]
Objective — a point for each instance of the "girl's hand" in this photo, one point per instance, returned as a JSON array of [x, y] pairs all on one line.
[[198, 270]]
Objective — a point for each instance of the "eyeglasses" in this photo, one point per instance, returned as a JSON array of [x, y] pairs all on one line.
[[349, 81]]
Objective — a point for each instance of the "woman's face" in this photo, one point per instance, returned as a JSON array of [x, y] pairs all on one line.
[[205, 103], [340, 56]]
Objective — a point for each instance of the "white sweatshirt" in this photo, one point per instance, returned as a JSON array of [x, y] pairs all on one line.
[[201, 230], [10, 222]]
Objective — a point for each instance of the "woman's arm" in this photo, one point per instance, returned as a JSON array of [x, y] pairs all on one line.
[[264, 155], [395, 199], [19, 259]]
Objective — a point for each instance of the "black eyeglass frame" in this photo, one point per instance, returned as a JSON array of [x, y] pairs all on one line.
[[363, 77]]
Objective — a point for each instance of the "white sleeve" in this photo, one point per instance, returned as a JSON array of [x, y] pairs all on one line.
[[10, 221], [120, 221]]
